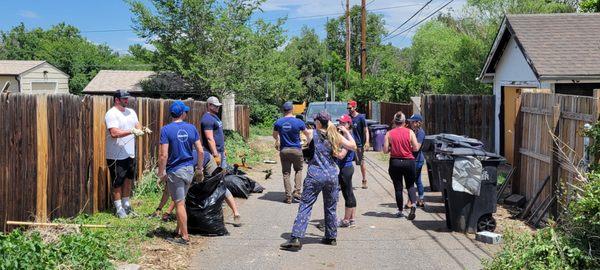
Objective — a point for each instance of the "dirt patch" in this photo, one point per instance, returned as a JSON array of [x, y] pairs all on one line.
[[505, 220], [158, 253]]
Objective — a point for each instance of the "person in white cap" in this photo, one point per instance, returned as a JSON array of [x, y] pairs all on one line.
[[212, 129]]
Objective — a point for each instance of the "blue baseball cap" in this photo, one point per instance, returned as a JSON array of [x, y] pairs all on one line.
[[178, 108], [415, 118], [288, 106]]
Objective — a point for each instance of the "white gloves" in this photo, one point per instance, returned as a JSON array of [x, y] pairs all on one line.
[[137, 132], [146, 130]]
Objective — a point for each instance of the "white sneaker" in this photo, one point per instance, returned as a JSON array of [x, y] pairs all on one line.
[[121, 213]]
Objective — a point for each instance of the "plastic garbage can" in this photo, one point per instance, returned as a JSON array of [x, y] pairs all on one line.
[[378, 136]]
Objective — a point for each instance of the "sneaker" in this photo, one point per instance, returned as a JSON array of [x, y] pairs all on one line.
[[399, 214], [288, 200], [421, 203], [342, 223], [297, 196], [130, 211], [327, 241], [292, 244], [412, 215], [352, 223], [121, 213], [364, 184], [237, 221], [179, 241]]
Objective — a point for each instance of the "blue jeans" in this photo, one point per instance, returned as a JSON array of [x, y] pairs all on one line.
[[223, 160], [420, 190]]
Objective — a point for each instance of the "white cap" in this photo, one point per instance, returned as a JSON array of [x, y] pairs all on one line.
[[213, 101]]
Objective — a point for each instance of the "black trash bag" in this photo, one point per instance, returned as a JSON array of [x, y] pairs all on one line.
[[237, 186], [241, 186], [204, 206]]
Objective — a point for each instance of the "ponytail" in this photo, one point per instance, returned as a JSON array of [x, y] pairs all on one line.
[[334, 138]]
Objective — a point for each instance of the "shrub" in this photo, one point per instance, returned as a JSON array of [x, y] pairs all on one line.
[[263, 113]]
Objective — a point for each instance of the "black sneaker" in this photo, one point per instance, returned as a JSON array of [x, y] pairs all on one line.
[[292, 244], [327, 241], [412, 215], [179, 241]]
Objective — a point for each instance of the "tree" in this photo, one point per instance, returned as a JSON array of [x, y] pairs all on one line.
[[590, 5], [307, 53], [62, 46], [336, 35]]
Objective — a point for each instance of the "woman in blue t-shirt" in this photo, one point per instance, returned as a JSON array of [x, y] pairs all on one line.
[[345, 179]]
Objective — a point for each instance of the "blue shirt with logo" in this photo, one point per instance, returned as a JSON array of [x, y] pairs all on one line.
[[212, 122], [180, 136], [420, 138], [289, 131], [359, 123], [347, 160]]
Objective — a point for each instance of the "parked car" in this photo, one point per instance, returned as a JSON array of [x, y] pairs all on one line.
[[335, 108]]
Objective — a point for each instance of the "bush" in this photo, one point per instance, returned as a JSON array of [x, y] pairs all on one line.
[[263, 114], [86, 250]]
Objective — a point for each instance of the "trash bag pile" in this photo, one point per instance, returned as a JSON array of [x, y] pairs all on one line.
[[204, 206], [241, 185]]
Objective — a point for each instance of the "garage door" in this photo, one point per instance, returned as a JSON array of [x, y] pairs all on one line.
[[43, 87]]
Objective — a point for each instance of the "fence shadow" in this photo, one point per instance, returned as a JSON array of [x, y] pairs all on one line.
[[274, 196]]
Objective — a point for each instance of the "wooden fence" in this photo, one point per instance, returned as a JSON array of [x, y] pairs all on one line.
[[472, 116], [537, 155], [389, 109], [52, 151]]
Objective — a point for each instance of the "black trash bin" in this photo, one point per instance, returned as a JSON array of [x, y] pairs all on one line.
[[464, 212]]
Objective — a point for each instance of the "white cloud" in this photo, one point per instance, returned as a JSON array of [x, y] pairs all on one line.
[[28, 14]]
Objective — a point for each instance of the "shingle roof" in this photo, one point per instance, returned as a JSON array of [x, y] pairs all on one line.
[[16, 67], [560, 44], [112, 80]]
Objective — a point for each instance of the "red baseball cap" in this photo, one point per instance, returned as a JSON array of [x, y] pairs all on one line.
[[352, 103], [345, 119]]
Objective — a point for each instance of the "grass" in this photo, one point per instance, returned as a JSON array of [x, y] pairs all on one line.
[[261, 130], [255, 150]]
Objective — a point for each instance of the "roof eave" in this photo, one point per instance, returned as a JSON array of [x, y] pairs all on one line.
[[493, 49], [569, 77]]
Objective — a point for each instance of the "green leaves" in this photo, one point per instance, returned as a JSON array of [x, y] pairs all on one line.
[[590, 5]]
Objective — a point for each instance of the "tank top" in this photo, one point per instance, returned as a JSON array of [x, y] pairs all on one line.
[[322, 166], [400, 143]]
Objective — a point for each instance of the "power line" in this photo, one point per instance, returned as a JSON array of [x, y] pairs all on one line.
[[370, 2], [429, 16], [290, 18], [405, 22]]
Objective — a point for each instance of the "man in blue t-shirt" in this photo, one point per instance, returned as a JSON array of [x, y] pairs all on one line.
[[360, 132], [286, 132], [415, 122], [212, 129], [176, 162]]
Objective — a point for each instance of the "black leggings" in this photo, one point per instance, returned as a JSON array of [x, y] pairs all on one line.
[[403, 168], [345, 179]]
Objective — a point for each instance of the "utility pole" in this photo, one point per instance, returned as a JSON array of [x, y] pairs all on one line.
[[347, 39], [363, 39]]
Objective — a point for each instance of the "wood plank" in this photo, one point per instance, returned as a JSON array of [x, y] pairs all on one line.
[[538, 111], [536, 156], [42, 158], [578, 116]]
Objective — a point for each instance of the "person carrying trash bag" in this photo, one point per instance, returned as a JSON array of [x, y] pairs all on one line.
[[176, 163], [322, 175], [204, 205], [400, 143]]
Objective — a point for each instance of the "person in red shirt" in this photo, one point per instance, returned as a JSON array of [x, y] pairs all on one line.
[[400, 143]]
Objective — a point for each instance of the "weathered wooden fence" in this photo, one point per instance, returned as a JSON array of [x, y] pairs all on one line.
[[541, 118], [389, 109], [472, 116], [52, 151]]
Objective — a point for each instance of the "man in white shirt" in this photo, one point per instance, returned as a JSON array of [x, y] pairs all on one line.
[[122, 127]]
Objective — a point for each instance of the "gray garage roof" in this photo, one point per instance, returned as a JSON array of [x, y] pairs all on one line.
[[17, 67], [108, 81], [556, 46]]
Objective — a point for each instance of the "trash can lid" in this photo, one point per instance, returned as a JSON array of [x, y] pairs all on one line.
[[379, 126]]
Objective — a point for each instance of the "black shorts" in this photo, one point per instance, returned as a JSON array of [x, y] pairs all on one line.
[[121, 170], [360, 153]]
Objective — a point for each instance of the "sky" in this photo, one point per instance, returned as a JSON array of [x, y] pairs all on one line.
[[109, 21]]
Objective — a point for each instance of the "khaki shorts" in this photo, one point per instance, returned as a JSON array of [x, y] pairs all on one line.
[[178, 182]]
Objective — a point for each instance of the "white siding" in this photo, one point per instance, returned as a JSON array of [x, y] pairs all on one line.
[[512, 69], [14, 84], [37, 75]]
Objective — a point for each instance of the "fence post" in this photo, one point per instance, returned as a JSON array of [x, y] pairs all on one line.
[[42, 158], [555, 162], [229, 112]]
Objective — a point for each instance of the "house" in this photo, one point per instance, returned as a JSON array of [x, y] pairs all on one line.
[[32, 77], [106, 82], [557, 53]]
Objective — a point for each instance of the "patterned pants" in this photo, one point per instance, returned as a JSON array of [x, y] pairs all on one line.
[[312, 187]]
